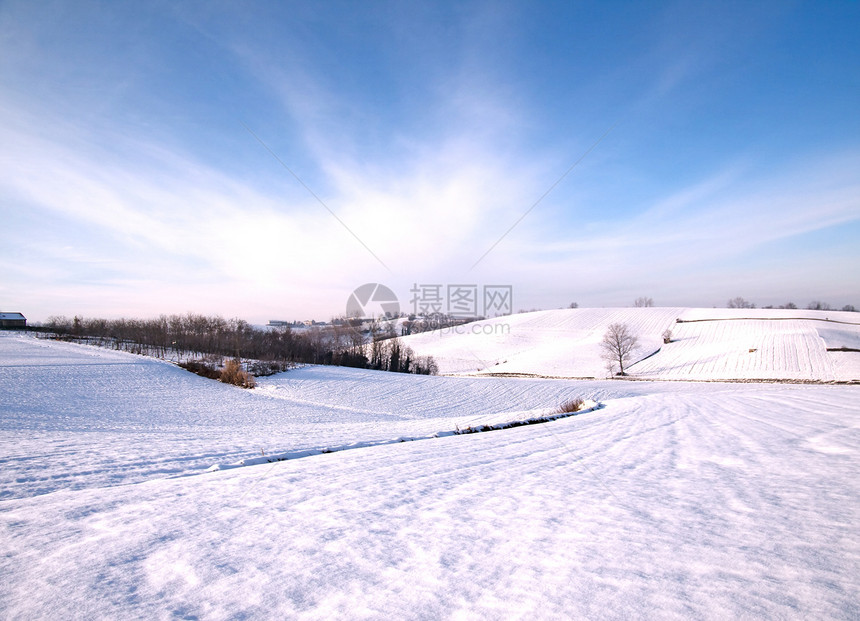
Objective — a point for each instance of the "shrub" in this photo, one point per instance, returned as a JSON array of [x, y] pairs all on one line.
[[201, 368], [571, 405], [262, 368], [232, 373]]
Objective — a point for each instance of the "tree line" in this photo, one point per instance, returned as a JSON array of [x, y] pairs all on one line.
[[191, 336], [740, 302]]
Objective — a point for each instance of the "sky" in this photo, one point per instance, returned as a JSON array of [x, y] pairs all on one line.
[[263, 159]]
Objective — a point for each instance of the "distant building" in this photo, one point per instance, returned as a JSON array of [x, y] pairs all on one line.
[[12, 320]]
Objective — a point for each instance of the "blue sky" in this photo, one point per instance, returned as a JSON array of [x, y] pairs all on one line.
[[137, 173]]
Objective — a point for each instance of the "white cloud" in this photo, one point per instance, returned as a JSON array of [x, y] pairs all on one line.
[[156, 226]]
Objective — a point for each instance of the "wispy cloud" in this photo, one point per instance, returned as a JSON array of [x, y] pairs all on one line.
[[727, 220], [154, 201], [151, 189]]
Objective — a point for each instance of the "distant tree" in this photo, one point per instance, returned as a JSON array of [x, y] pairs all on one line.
[[850, 308], [643, 302], [618, 345], [573, 305], [425, 365], [789, 305], [59, 323], [739, 302], [818, 305]]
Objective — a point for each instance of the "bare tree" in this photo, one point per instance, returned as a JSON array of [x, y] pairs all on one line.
[[818, 305], [573, 305], [643, 302], [739, 302], [850, 308], [618, 345]]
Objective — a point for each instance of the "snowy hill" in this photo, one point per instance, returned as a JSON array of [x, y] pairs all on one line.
[[674, 500], [707, 344]]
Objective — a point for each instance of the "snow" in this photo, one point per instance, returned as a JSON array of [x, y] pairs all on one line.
[[673, 500], [549, 343], [88, 416], [840, 336], [741, 349], [707, 344]]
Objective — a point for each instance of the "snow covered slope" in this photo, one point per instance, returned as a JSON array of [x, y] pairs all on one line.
[[673, 501], [552, 343], [758, 344], [708, 344], [74, 417]]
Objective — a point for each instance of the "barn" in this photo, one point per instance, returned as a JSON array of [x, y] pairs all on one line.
[[12, 320]]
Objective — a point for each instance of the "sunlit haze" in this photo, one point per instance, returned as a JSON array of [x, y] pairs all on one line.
[[262, 160]]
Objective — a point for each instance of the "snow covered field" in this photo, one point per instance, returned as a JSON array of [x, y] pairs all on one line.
[[75, 416], [674, 500], [707, 344]]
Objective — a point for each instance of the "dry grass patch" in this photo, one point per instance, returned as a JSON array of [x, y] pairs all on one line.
[[232, 373], [571, 405]]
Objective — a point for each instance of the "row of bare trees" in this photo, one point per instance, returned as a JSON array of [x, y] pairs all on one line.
[[389, 354], [740, 302], [183, 337], [435, 321]]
